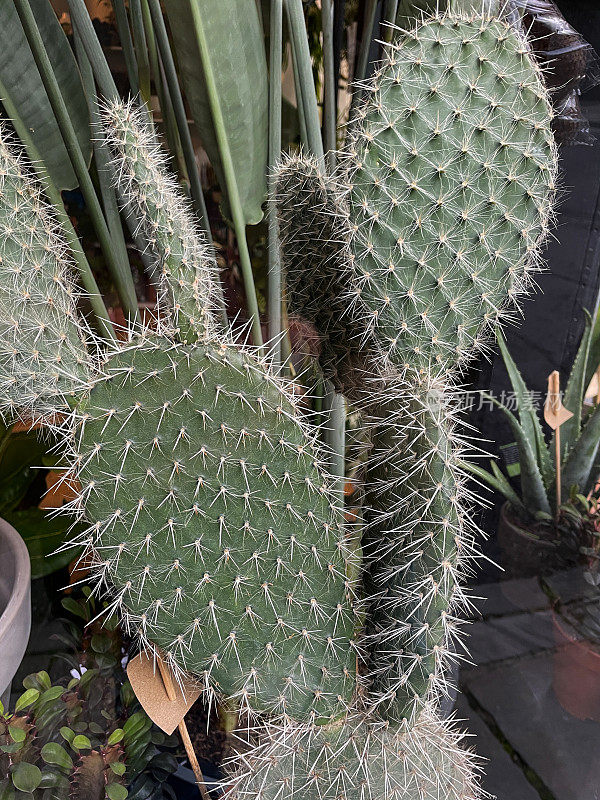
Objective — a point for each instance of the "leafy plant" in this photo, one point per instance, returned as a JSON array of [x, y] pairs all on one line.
[[580, 438], [86, 737]]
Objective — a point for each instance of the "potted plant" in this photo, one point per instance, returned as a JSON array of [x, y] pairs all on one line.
[[538, 532], [15, 605]]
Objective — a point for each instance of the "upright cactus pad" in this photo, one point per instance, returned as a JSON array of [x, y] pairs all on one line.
[[450, 176], [359, 759], [213, 522], [42, 345], [181, 261]]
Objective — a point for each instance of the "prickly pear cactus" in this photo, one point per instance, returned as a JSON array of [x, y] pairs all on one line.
[[214, 523], [180, 259], [433, 230], [360, 759], [43, 359]]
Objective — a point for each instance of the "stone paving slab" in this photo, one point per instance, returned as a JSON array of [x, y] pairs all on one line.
[[512, 636], [502, 777], [562, 750]]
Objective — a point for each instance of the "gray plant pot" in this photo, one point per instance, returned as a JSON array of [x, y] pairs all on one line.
[[15, 605]]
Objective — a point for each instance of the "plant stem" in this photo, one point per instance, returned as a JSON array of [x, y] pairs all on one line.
[[141, 50], [123, 279], [390, 12], [329, 85], [104, 79], [305, 77], [109, 200], [365, 40], [299, 104], [85, 273], [164, 99], [172, 84], [334, 408], [229, 172], [127, 45], [274, 276]]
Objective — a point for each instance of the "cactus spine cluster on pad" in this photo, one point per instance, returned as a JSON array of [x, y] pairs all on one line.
[[211, 520]]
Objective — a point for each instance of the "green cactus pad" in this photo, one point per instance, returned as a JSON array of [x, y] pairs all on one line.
[[358, 759], [450, 178], [42, 342], [213, 522], [179, 258]]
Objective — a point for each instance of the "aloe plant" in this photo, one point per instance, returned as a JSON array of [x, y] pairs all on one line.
[[580, 437]]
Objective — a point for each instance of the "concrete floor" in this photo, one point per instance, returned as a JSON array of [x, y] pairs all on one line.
[[535, 749]]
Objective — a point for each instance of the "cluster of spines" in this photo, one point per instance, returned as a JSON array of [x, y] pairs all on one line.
[[360, 758], [43, 357], [180, 259]]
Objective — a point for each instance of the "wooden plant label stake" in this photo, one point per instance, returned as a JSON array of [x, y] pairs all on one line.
[[166, 703], [555, 415]]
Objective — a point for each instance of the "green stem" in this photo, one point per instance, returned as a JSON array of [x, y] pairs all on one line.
[[305, 77], [299, 104], [390, 12], [365, 41], [274, 276], [164, 99], [172, 83], [329, 85], [229, 172], [141, 49], [123, 280], [87, 278], [109, 200], [81, 19], [127, 45], [335, 437]]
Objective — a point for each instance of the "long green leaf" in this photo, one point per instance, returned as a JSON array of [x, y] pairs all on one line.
[[496, 481], [235, 49], [532, 427], [580, 461], [575, 391], [594, 354], [20, 82], [533, 490]]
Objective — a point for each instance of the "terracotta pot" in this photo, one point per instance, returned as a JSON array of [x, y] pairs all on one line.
[[15, 605], [525, 554], [576, 678]]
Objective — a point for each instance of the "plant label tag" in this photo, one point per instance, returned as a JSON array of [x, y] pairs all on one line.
[[147, 683], [555, 413]]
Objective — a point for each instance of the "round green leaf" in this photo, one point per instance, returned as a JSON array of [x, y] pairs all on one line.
[[17, 734], [81, 742], [26, 777], [116, 736], [67, 734], [54, 753], [118, 767], [26, 699], [116, 791]]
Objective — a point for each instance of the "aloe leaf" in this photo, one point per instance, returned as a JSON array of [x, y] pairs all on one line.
[[21, 83], [530, 423], [496, 481], [594, 353], [575, 391], [235, 49], [580, 461], [535, 497]]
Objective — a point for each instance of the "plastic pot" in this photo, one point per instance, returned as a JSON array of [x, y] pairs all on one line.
[[576, 676], [15, 605], [525, 554]]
